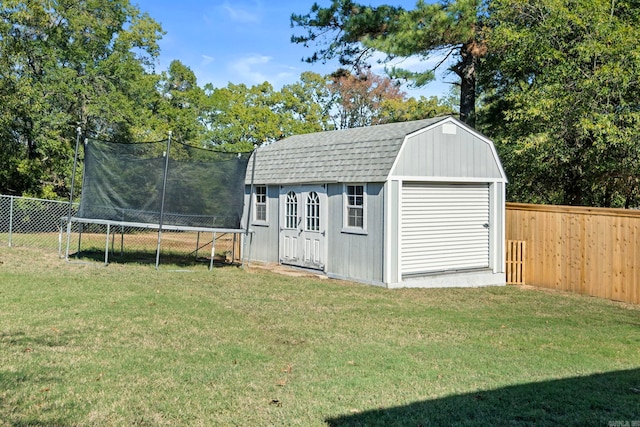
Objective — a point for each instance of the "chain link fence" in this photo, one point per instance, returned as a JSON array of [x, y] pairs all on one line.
[[32, 222], [39, 223]]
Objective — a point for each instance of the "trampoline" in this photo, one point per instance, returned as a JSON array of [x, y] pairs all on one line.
[[158, 186]]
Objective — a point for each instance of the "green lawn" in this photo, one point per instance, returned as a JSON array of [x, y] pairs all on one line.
[[83, 344]]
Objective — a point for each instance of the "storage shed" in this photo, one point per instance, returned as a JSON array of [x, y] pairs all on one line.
[[412, 204]]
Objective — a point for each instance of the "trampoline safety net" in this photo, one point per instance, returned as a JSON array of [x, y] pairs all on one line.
[[125, 182]]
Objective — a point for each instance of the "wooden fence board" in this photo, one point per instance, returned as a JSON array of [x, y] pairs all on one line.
[[593, 251]]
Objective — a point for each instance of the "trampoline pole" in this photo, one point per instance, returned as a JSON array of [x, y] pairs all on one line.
[[213, 251], [11, 199], [73, 183], [164, 188], [249, 213], [233, 248], [197, 244], [106, 247], [60, 227], [80, 230]]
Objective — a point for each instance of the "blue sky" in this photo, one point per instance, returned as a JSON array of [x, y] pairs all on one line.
[[245, 41]]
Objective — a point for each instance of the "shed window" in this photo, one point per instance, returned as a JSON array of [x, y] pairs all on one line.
[[355, 207], [261, 203], [291, 211], [313, 212]]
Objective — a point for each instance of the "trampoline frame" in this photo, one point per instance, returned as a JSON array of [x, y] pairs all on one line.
[[149, 226], [69, 219]]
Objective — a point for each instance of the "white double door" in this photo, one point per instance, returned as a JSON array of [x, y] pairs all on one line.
[[303, 224]]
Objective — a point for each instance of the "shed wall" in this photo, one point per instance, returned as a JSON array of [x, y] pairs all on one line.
[[356, 256], [438, 153], [391, 231], [497, 249], [262, 244]]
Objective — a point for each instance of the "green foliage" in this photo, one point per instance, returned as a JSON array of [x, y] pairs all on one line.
[[339, 29], [309, 102], [352, 32], [181, 105], [66, 64], [563, 90], [240, 117], [395, 110]]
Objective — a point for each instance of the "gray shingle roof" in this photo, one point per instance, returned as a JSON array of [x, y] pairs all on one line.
[[348, 155]]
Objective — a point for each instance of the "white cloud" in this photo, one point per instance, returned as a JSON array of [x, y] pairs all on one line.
[[411, 63], [440, 87], [245, 15], [256, 69], [251, 68], [206, 60]]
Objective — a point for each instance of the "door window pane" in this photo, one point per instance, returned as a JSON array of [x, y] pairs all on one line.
[[313, 212], [291, 210]]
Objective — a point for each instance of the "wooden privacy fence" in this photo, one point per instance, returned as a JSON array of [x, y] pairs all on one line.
[[593, 251]]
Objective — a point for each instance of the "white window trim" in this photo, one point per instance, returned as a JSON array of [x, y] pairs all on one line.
[[345, 210], [255, 220]]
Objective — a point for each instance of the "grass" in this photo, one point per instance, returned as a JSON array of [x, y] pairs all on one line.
[[82, 344]]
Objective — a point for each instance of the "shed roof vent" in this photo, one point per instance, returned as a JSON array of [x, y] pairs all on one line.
[[449, 128]]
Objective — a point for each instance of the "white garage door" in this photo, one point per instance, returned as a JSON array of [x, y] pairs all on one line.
[[444, 227]]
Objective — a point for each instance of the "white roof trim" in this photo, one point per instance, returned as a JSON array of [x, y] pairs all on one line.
[[440, 179]]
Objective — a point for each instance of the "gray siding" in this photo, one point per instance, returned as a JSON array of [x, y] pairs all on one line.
[[262, 244], [433, 153], [392, 231], [358, 257], [498, 221]]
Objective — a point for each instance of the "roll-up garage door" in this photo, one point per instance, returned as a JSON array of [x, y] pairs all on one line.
[[444, 227]]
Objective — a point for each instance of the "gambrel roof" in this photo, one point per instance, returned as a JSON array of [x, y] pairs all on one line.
[[363, 154]]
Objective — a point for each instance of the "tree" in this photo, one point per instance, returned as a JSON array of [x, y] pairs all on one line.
[[182, 105], [66, 64], [449, 29], [308, 102], [403, 110], [239, 117], [361, 100], [563, 100]]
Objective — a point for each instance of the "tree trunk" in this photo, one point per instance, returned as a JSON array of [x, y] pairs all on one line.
[[466, 70], [572, 187], [467, 75]]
